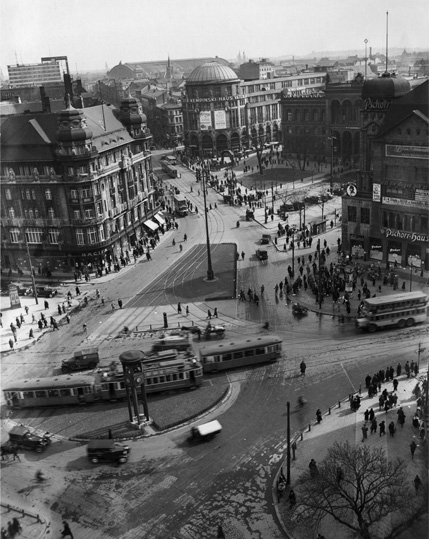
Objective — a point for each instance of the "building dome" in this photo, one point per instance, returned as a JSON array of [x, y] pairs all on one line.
[[212, 72], [385, 87]]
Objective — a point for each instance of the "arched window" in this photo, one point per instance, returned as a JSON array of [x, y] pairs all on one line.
[[8, 194], [51, 213], [11, 213], [48, 194], [315, 115]]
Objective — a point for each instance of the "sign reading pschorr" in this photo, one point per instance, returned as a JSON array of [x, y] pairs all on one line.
[[411, 236], [409, 152]]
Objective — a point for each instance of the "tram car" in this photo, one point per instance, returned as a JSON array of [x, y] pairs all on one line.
[[217, 357], [104, 384]]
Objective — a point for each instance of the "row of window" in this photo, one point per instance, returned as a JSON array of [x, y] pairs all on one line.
[[30, 213], [34, 235], [51, 393], [305, 115], [28, 194], [401, 314], [404, 221], [242, 354], [398, 306], [365, 215]]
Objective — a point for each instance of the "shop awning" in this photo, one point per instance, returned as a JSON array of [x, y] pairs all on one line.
[[160, 218], [150, 224]]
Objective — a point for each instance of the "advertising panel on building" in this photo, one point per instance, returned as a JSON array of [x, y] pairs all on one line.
[[205, 120], [220, 119]]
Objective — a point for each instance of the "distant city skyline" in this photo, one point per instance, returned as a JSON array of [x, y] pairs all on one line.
[[95, 32]]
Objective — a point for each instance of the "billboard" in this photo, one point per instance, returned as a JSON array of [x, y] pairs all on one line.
[[220, 119], [205, 120]]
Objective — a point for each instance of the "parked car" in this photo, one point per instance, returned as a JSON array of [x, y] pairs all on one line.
[[46, 291], [249, 215], [21, 437], [266, 238], [107, 451], [206, 431]]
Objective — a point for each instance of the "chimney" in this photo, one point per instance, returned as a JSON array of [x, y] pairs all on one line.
[[68, 88], [370, 52], [46, 104]]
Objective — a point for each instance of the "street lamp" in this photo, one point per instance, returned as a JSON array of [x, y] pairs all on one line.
[[366, 57], [210, 273], [31, 270], [332, 138]]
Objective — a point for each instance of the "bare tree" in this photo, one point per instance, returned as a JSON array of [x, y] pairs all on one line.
[[356, 486]]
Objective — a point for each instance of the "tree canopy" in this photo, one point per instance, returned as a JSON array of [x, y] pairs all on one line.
[[357, 486]]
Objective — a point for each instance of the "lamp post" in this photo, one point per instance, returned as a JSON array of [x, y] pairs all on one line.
[[366, 56], [332, 138], [288, 445], [31, 270], [210, 273]]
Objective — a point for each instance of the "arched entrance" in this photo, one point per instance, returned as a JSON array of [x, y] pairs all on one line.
[[268, 133], [275, 133], [207, 146], [221, 144], [235, 142]]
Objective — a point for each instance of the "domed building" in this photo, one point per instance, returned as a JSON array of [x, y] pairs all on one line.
[[213, 111]]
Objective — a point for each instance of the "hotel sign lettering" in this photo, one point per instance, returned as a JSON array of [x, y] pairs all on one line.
[[408, 152], [405, 202], [411, 236], [376, 104]]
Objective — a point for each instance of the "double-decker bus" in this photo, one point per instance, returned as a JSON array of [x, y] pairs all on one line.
[[169, 169], [400, 310], [216, 357]]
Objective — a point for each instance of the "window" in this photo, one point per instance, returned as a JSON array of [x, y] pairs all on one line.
[[28, 194], [85, 193], [89, 213], [34, 235], [92, 235], [99, 209], [70, 171], [101, 233], [8, 194], [76, 214], [33, 194], [364, 216], [73, 193], [11, 213], [48, 194], [80, 238], [53, 236], [14, 235], [352, 213], [51, 213]]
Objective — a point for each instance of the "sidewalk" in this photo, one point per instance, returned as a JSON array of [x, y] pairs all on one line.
[[340, 424]]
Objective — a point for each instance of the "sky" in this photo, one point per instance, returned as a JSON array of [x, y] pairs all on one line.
[[95, 32]]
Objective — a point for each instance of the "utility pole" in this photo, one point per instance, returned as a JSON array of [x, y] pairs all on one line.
[[288, 445], [210, 272]]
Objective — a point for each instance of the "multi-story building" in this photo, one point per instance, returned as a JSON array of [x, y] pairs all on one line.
[[222, 113], [76, 187], [257, 70], [170, 119], [385, 215], [21, 75]]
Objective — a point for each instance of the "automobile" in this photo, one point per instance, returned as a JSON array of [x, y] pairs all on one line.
[[207, 431], [107, 451], [249, 215], [266, 238], [22, 437], [82, 359], [24, 289], [46, 291], [152, 148], [262, 254]]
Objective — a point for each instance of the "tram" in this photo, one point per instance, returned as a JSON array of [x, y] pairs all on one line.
[[104, 384], [216, 357]]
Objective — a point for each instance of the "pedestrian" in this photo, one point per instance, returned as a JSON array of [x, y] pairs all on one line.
[[413, 447], [371, 414], [110, 435], [401, 416], [60, 312], [15, 453], [17, 528], [292, 499], [46, 305], [302, 367], [373, 426], [68, 318], [242, 255], [417, 483], [209, 314], [77, 291], [66, 530], [33, 318], [365, 432], [318, 415], [366, 415], [120, 303], [112, 306], [382, 427], [179, 308], [395, 384], [215, 312], [31, 334], [281, 487], [392, 429], [55, 325], [187, 310], [15, 338], [314, 472], [26, 309]]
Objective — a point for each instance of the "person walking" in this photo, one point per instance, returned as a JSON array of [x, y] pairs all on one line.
[[120, 303], [392, 429], [373, 426], [292, 499], [395, 384], [77, 291], [417, 483], [68, 318], [382, 427], [401, 416], [26, 309], [11, 344], [371, 414], [187, 310], [413, 447], [365, 432], [318, 415], [179, 308], [46, 305], [66, 532], [209, 314], [314, 472], [302, 367], [215, 312]]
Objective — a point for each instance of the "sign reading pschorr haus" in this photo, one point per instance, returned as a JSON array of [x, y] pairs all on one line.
[[410, 236], [410, 152]]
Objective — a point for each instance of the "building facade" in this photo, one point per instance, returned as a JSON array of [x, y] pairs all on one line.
[[22, 75], [386, 216], [76, 187], [222, 113]]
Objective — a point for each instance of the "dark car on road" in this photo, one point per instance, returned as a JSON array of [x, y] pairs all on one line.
[[107, 451], [262, 254], [21, 437], [46, 291]]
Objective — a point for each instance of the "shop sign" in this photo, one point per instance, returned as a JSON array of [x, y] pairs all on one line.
[[15, 302], [205, 120], [376, 104], [406, 202], [410, 236], [409, 152], [376, 192]]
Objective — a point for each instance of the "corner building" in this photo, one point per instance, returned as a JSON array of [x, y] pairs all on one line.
[[387, 220]]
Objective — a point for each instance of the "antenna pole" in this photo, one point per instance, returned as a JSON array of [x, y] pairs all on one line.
[[387, 38]]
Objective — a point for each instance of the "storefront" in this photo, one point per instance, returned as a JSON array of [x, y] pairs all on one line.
[[357, 246]]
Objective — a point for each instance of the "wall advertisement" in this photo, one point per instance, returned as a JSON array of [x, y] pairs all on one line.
[[376, 192], [220, 119], [205, 120], [410, 152], [421, 203]]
